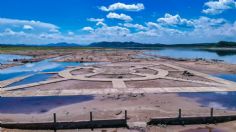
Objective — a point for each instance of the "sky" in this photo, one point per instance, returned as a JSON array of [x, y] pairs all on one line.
[[144, 21]]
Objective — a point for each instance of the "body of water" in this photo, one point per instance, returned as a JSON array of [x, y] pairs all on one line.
[[35, 69], [193, 54], [8, 58], [220, 100], [27, 105], [32, 79]]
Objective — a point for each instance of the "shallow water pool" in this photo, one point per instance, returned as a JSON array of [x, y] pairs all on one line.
[[220, 100], [27, 105]]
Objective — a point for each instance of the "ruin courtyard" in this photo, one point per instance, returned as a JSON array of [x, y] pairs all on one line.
[[121, 77]]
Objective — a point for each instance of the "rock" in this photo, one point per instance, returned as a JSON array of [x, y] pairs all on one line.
[[186, 73], [120, 77]]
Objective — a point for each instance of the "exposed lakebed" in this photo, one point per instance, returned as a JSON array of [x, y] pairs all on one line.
[[221, 100], [224, 100]]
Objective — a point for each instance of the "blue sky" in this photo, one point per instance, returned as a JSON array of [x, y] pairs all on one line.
[[146, 21]]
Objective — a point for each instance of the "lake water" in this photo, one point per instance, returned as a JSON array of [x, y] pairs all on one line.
[[8, 58], [193, 54]]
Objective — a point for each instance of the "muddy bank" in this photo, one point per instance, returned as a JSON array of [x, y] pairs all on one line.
[[140, 107]]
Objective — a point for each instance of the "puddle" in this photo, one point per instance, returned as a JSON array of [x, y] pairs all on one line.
[[32, 79], [220, 100], [27, 105], [207, 129]]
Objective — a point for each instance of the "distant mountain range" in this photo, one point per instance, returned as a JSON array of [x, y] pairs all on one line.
[[135, 45], [140, 45], [63, 44]]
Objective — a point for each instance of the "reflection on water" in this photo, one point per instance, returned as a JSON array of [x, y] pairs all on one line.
[[12, 75], [48, 65], [8, 58], [207, 129], [230, 77], [45, 65], [32, 79], [26, 105], [221, 100], [34, 68], [192, 54]]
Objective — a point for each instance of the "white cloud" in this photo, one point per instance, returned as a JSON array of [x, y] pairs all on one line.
[[121, 16], [54, 30], [17, 31], [8, 31], [153, 25], [204, 22], [112, 31], [203, 29], [87, 29], [22, 23], [95, 19], [28, 27], [99, 21], [71, 33], [169, 19], [122, 6], [219, 6], [136, 26]]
